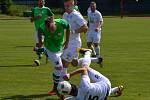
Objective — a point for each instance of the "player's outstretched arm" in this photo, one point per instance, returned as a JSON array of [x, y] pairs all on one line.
[[82, 71]]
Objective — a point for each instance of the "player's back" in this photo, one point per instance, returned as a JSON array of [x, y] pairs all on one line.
[[95, 91]]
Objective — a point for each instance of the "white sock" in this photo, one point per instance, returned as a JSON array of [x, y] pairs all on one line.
[[97, 50], [87, 54], [114, 90], [64, 70], [94, 60]]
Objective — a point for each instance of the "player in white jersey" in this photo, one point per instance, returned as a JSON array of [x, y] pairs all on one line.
[[98, 89], [78, 25], [95, 22]]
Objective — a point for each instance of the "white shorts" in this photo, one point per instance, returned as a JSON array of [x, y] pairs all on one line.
[[70, 53], [93, 37], [36, 37], [55, 58]]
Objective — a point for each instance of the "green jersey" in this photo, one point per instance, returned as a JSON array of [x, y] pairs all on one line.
[[54, 41], [76, 8], [44, 12]]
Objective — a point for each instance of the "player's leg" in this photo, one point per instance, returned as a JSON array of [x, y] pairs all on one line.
[[116, 91], [90, 43], [96, 41], [56, 60], [86, 60], [39, 51], [78, 62], [97, 49], [68, 55]]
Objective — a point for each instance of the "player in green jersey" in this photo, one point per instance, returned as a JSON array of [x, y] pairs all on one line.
[[55, 41], [39, 14]]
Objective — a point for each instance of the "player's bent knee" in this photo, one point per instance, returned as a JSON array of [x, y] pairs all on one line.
[[58, 70]]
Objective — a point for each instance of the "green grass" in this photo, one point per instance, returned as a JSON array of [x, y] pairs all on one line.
[[125, 47]]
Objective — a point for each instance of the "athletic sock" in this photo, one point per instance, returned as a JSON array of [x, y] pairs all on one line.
[[114, 90], [97, 50]]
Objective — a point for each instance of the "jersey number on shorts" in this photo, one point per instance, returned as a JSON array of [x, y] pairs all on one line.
[[93, 97]]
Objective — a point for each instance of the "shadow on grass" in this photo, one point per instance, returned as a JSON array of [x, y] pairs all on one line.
[[17, 65], [27, 97]]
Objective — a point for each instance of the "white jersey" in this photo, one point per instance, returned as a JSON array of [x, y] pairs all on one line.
[[99, 90], [75, 20], [94, 18]]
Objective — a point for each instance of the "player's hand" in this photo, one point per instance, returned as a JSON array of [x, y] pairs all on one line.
[[97, 30], [66, 77]]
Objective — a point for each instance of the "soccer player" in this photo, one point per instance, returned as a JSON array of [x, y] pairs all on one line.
[[39, 14], [78, 25], [55, 40], [95, 22], [98, 89]]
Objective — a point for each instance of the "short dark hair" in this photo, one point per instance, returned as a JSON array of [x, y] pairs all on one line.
[[49, 20], [68, 0], [93, 2]]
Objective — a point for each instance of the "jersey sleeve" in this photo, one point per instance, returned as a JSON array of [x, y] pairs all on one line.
[[80, 20], [65, 24], [50, 13], [100, 18]]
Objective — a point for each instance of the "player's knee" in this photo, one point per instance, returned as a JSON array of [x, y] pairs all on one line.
[[58, 70]]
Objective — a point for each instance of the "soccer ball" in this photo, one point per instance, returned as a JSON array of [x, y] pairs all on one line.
[[64, 87]]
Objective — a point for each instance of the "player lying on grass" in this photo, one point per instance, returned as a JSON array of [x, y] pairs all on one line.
[[56, 32], [98, 89], [39, 14]]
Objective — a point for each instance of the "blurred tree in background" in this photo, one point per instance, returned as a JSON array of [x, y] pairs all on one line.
[[4, 6]]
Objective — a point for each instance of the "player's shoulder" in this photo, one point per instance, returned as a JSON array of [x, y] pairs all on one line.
[[44, 7], [65, 14], [35, 8], [60, 20], [98, 12], [76, 14]]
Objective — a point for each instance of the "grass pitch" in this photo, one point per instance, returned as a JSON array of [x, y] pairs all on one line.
[[125, 46]]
